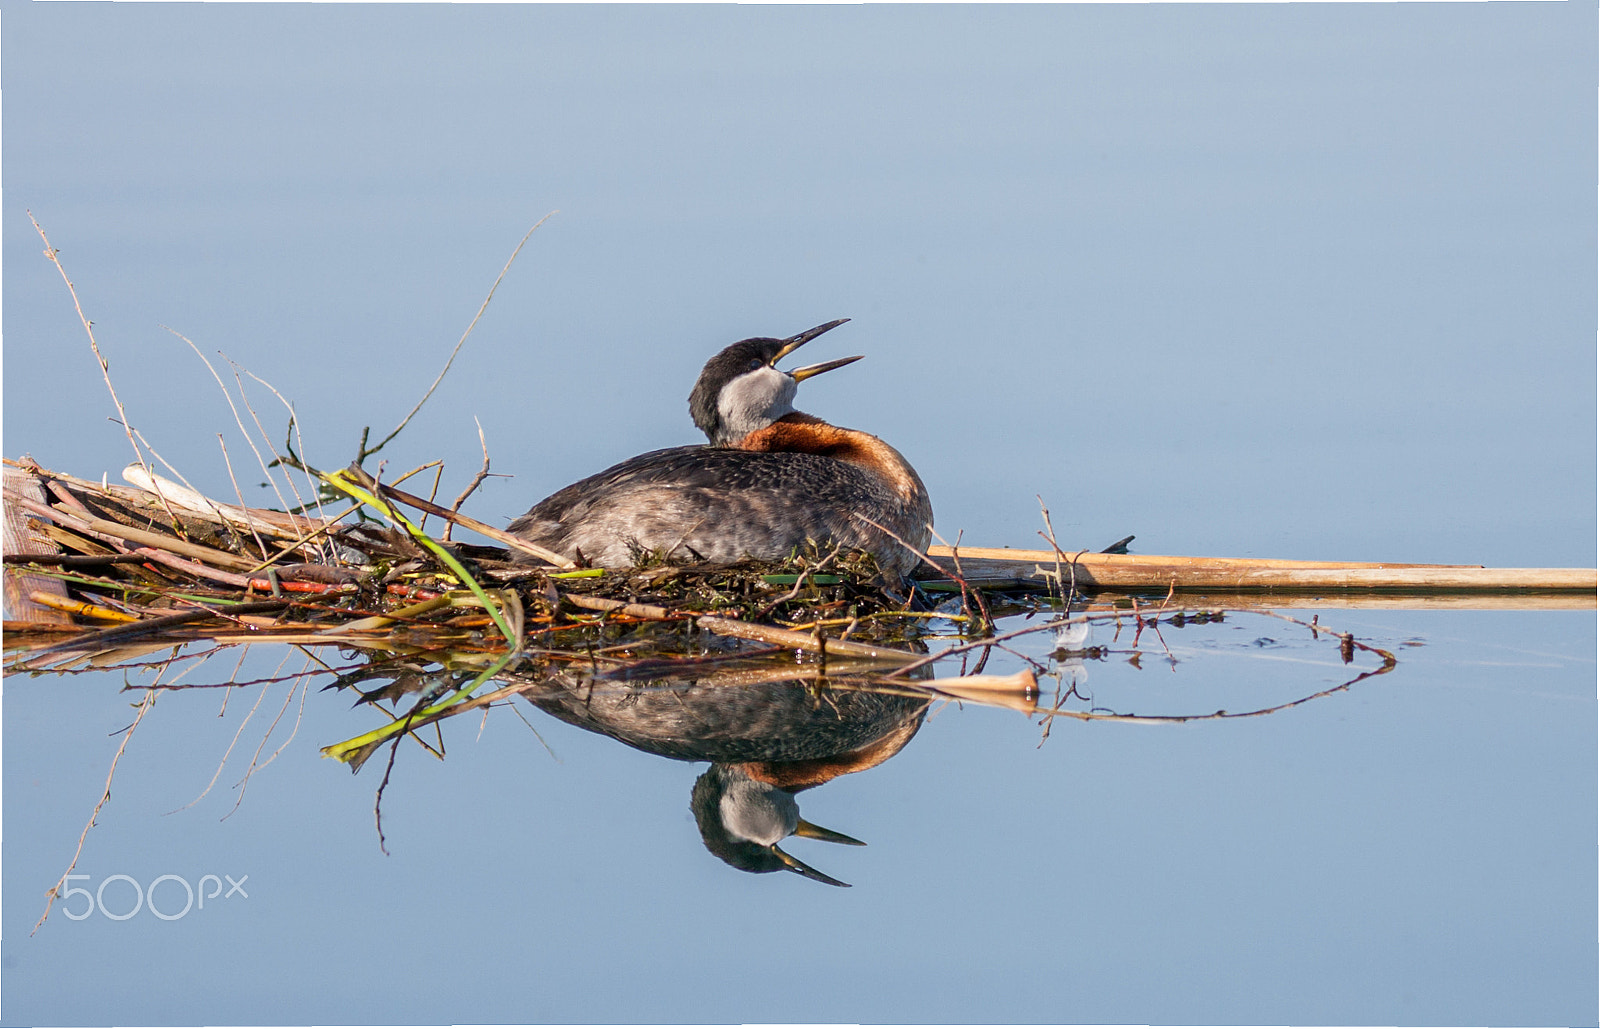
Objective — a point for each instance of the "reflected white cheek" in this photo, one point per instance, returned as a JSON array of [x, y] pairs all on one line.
[[759, 813]]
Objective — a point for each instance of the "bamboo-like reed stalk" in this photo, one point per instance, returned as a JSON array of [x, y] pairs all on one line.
[[1156, 572]]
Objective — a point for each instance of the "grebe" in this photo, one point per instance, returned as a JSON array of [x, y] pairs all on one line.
[[770, 479]]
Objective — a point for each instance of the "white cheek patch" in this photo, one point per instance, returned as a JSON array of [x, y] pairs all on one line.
[[755, 400]]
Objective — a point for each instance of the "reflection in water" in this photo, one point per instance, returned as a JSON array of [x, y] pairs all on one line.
[[742, 821], [771, 722], [767, 740]]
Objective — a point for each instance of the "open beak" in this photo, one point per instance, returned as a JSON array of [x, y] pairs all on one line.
[[817, 832], [794, 343], [794, 864], [802, 374]]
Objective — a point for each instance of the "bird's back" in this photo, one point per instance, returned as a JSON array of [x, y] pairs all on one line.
[[723, 505]]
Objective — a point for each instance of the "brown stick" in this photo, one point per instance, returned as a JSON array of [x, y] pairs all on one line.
[[102, 638], [1221, 573], [477, 480], [483, 529], [1387, 600], [55, 891], [157, 540], [622, 607], [799, 640], [1018, 691], [1159, 560], [73, 560], [281, 523], [195, 568]]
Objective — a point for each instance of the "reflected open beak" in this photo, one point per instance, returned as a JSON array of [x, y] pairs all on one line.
[[817, 832], [794, 864], [802, 374], [794, 343]]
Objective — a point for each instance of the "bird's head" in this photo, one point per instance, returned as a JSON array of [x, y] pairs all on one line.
[[741, 389]]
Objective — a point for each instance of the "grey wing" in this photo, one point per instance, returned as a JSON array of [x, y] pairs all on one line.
[[706, 503]]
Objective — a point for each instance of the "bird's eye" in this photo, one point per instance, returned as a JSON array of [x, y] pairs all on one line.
[[755, 362]]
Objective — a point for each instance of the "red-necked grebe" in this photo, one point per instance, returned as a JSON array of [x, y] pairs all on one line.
[[771, 479]]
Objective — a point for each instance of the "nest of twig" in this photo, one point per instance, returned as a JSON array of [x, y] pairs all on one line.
[[110, 564]]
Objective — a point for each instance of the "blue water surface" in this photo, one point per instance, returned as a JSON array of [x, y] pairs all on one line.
[[1301, 281]]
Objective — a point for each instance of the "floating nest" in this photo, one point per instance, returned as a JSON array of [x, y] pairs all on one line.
[[102, 562], [98, 573]]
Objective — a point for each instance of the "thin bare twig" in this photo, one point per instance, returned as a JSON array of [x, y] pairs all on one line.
[[237, 421], [955, 559], [244, 652], [55, 891], [433, 493], [226, 694], [366, 451], [1050, 537], [294, 425], [161, 495], [303, 678], [304, 539], [244, 783], [249, 522], [477, 480], [52, 254]]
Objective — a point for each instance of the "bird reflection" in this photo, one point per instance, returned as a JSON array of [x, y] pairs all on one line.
[[767, 740], [742, 821]]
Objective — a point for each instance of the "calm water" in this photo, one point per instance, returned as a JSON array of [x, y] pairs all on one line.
[[1415, 849], [1308, 281]]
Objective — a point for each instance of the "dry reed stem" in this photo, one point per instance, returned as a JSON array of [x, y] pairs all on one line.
[[955, 559], [52, 254], [367, 452], [204, 501], [100, 527], [798, 640], [238, 494], [498, 535], [189, 498], [294, 428], [477, 480], [647, 611], [1147, 571], [1163, 561], [237, 421]]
